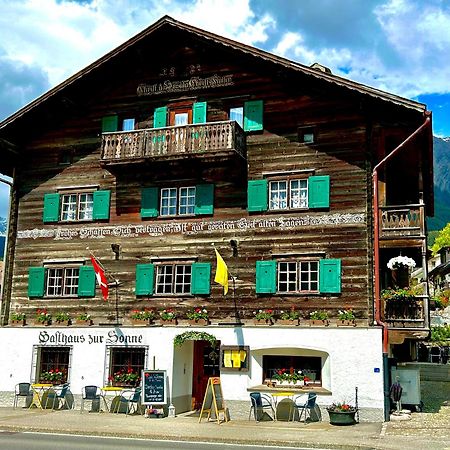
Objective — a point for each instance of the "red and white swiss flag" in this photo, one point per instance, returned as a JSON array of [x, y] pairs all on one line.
[[101, 277]]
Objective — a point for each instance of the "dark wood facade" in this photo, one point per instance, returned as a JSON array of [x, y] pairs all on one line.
[[61, 146]]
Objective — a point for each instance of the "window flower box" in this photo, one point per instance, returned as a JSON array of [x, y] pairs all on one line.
[[43, 318], [199, 322], [168, 317], [62, 319], [346, 318], [290, 317], [264, 317], [142, 318], [318, 318], [18, 319], [84, 320], [198, 316]]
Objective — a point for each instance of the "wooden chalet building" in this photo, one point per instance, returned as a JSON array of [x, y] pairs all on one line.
[[180, 139]]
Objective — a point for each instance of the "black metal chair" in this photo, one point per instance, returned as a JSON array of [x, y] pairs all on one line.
[[130, 400], [304, 407], [21, 390], [260, 402], [57, 396], [435, 355], [94, 395]]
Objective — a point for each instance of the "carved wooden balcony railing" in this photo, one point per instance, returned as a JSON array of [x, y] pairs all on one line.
[[214, 138], [404, 221], [405, 313]]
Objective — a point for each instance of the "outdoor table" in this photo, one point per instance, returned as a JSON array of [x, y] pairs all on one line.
[[114, 392], [275, 398], [38, 391]]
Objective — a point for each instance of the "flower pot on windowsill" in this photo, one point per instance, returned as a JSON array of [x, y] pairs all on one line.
[[46, 323], [199, 322], [285, 383], [263, 321], [292, 323], [168, 322], [84, 323], [346, 323], [140, 322], [342, 417], [62, 323], [319, 323], [18, 323]]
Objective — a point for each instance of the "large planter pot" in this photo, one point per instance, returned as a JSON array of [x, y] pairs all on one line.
[[342, 417], [199, 322]]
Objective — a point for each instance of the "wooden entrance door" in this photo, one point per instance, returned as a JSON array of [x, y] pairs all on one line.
[[206, 364]]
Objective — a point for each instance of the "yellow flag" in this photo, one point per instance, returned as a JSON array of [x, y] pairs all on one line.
[[221, 273]]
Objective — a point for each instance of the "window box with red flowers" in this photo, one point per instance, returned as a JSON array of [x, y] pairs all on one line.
[[142, 318], [42, 318], [264, 317], [198, 316], [168, 317]]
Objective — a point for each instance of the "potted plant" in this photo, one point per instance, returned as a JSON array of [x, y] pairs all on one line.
[[142, 317], [342, 414], [346, 317], [290, 317], [168, 316], [288, 377], [198, 316], [400, 303], [18, 319], [264, 316], [52, 376], [400, 266], [84, 319], [43, 317], [125, 377], [318, 318], [62, 318]]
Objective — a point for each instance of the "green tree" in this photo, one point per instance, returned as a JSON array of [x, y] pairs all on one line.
[[442, 239]]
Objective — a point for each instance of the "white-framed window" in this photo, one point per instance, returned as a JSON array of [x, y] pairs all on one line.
[[181, 118], [77, 206], [288, 194], [179, 201], [237, 114], [298, 276], [128, 124], [173, 279], [62, 281]]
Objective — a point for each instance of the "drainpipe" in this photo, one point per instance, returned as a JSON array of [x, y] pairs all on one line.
[[2, 280], [376, 230]]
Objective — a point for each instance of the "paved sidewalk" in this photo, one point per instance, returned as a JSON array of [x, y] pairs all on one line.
[[393, 435]]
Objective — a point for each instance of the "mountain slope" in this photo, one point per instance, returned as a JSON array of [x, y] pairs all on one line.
[[441, 184]]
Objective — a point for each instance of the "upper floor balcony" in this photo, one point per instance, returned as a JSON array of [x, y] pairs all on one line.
[[214, 139], [401, 222]]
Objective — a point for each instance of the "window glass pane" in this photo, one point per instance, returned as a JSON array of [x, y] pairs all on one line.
[[181, 118], [71, 281], [187, 200], [164, 279], [309, 275], [237, 114], [54, 282], [86, 206], [278, 195], [287, 276], [299, 193], [69, 207], [182, 279], [168, 202], [128, 125], [54, 364]]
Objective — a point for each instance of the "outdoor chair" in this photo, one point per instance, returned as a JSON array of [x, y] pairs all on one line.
[[435, 355], [21, 390], [303, 407], [57, 396], [94, 395], [130, 401], [260, 402]]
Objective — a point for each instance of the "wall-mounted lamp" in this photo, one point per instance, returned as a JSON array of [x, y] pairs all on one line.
[[116, 249], [234, 247]]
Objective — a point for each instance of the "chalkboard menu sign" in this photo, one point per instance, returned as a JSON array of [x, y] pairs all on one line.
[[154, 387]]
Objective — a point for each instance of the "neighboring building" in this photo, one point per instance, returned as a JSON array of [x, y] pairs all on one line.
[[180, 139]]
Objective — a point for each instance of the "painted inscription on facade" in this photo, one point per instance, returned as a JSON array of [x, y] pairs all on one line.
[[192, 84], [64, 338], [190, 228]]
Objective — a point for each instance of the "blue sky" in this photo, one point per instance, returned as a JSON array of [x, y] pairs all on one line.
[[400, 46]]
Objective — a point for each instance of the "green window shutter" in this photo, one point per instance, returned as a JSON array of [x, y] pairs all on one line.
[[36, 281], [200, 278], [257, 195], [101, 205], [86, 282], [149, 202], [145, 279], [330, 276], [266, 277], [253, 115], [204, 199], [199, 112], [110, 123], [160, 117], [51, 208], [319, 191]]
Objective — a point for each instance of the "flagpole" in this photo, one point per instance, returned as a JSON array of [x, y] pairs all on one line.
[[236, 312]]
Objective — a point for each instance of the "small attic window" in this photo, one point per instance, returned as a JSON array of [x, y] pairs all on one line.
[[65, 158], [320, 67], [306, 135]]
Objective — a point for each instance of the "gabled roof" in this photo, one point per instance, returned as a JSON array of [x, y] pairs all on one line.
[[167, 21]]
